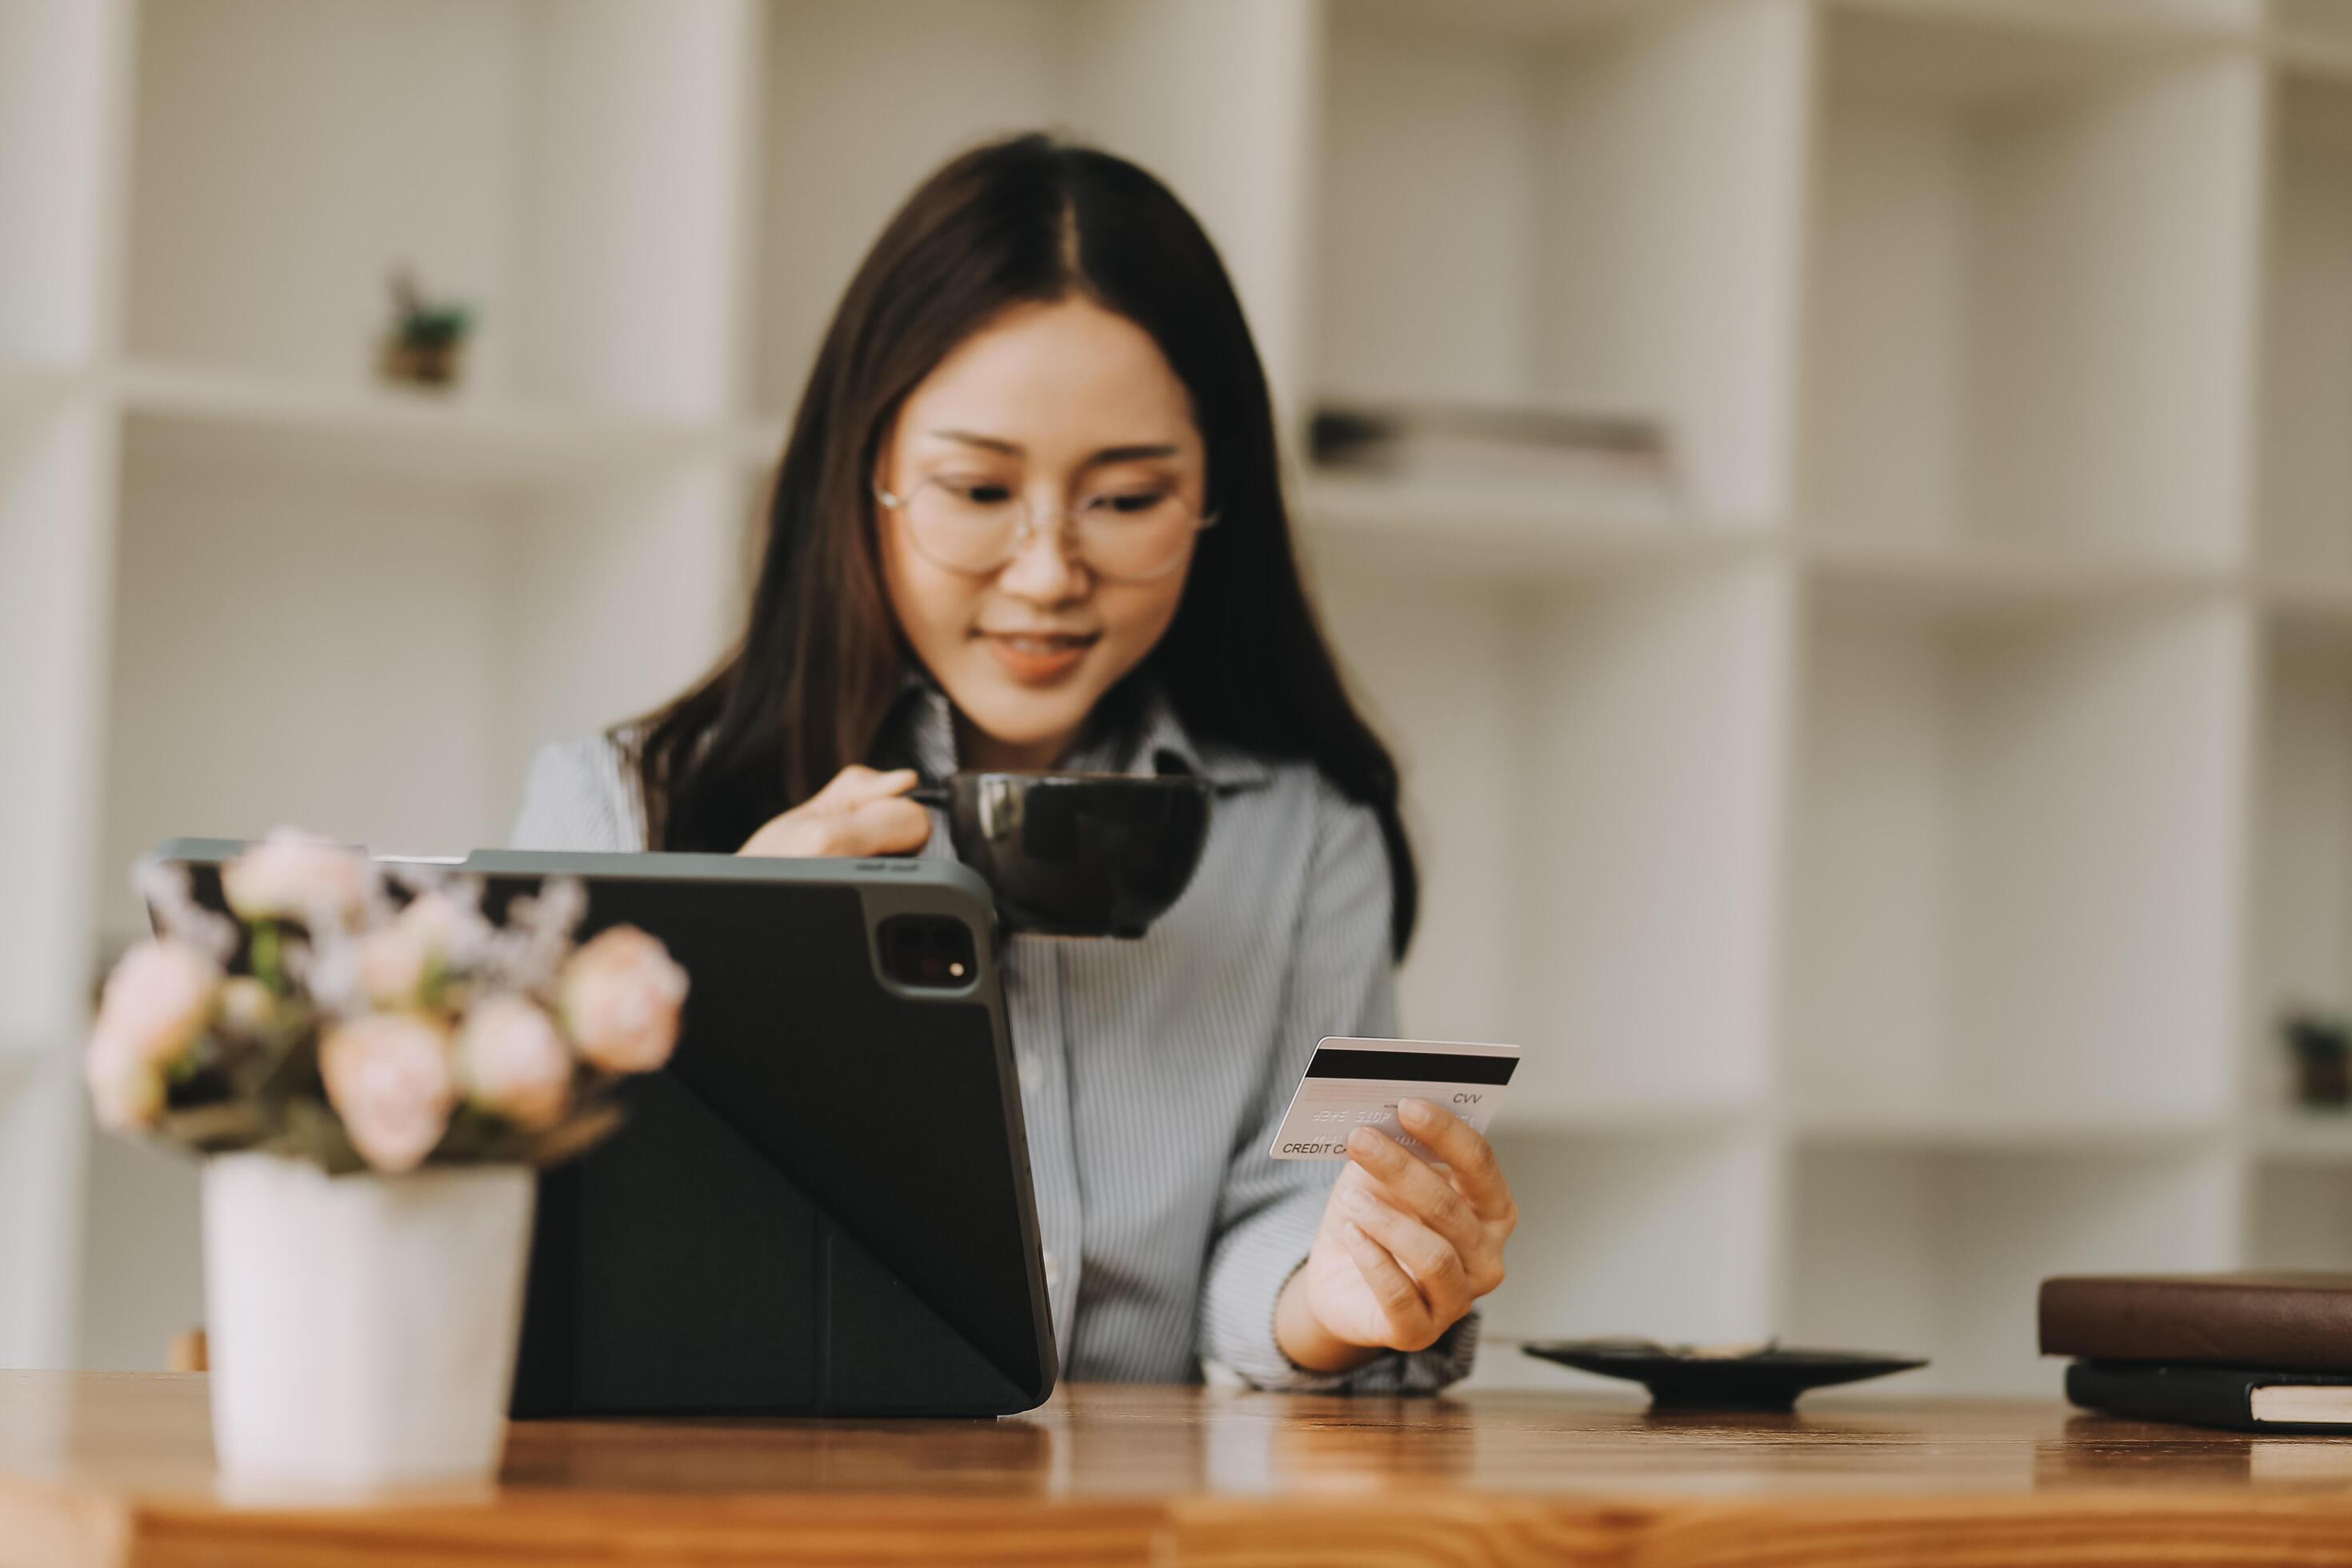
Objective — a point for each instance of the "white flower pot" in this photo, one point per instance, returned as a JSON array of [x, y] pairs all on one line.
[[362, 1328]]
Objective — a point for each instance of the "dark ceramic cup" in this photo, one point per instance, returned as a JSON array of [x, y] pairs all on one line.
[[1079, 854]]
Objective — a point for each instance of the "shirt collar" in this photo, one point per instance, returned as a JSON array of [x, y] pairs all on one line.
[[1143, 735]]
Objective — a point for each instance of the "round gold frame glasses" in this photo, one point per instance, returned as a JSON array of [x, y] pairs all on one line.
[[979, 529]]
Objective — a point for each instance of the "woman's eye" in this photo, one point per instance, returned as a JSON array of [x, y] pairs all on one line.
[[1129, 504], [979, 492]]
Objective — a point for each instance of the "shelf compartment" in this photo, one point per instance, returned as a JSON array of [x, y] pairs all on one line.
[[865, 101], [2018, 239], [1654, 712], [2300, 946], [904, 91], [564, 170], [2013, 873], [379, 661], [1940, 1254], [1445, 701], [2306, 509], [299, 651], [1602, 216], [1669, 1236], [1593, 776]]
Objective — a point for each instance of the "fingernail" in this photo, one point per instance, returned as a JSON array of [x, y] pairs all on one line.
[[1417, 1109], [1357, 1200], [1359, 1142]]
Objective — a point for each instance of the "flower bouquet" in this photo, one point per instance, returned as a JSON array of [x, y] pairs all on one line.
[[372, 1066]]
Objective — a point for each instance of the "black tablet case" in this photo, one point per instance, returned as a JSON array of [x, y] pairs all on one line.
[[823, 1206], [2193, 1395]]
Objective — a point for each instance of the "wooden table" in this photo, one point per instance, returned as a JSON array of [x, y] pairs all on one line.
[[110, 1469]]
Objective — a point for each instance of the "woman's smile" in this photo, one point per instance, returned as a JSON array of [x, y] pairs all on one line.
[[1039, 658]]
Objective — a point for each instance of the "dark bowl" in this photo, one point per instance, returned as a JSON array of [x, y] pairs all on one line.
[[1764, 1381], [1080, 854]]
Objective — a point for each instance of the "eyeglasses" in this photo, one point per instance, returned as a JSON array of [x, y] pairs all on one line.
[[1137, 534]]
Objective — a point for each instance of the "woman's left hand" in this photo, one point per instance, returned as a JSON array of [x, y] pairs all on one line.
[[1404, 1250]]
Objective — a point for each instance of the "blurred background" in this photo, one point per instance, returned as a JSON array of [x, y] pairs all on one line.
[[1845, 507]]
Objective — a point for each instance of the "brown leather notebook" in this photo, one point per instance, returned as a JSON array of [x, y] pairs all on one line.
[[2285, 1320]]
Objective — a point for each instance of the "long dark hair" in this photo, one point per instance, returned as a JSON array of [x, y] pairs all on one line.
[[807, 690]]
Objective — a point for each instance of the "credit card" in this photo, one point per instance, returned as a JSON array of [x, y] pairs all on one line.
[[1353, 1083]]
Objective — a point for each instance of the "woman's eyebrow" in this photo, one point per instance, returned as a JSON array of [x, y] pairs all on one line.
[[1132, 454], [991, 442]]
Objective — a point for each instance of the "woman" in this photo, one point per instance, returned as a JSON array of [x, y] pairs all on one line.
[[1028, 516]]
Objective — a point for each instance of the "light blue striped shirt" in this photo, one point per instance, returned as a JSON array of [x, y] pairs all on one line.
[[1154, 1072]]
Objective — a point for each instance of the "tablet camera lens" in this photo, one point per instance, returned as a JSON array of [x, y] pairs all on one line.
[[930, 950]]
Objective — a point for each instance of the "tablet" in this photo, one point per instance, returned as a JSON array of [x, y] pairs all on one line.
[[823, 1205]]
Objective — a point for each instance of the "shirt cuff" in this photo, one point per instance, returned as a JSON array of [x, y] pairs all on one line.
[[1448, 1360]]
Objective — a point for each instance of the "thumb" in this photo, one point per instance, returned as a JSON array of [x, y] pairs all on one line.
[[855, 784], [885, 826]]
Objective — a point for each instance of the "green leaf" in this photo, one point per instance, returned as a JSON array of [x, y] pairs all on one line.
[[268, 967], [312, 1131]]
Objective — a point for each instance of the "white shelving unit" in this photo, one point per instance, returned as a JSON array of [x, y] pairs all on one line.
[[1893, 860], [2021, 235], [2012, 885]]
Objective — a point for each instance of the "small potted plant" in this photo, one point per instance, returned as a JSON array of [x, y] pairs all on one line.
[[2322, 1047], [372, 1071], [426, 345]]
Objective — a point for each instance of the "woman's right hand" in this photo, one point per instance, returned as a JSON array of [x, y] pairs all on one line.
[[860, 813]]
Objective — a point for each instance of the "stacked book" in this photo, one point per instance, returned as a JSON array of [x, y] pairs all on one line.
[[2256, 1352], [1601, 464]]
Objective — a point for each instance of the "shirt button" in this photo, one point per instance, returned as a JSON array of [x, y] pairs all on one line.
[[1033, 1072]]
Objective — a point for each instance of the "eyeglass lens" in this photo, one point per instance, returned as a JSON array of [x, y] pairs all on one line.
[[1134, 532]]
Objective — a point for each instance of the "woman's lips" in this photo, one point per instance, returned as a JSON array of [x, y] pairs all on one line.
[[1038, 657]]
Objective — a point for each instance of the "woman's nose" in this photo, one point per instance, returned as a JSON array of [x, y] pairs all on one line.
[[1042, 570]]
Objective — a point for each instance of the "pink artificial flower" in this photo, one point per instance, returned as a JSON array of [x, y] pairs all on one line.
[[434, 935], [296, 875], [513, 1063], [388, 1076], [156, 1006], [452, 930], [622, 995], [393, 966], [158, 1001], [126, 1089]]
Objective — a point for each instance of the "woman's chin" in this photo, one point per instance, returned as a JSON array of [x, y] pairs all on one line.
[[1015, 723]]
